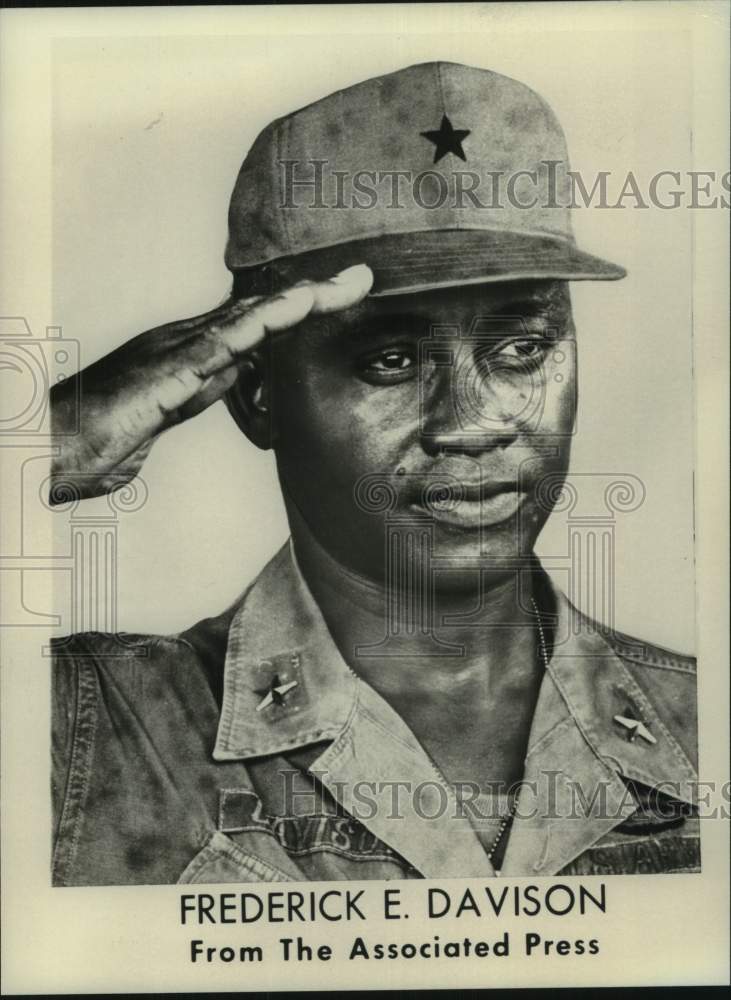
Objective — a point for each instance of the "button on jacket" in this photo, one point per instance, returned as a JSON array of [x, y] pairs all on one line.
[[246, 750]]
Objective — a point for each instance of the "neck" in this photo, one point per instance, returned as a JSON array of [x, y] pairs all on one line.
[[427, 638]]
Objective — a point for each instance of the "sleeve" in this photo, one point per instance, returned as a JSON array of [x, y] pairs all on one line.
[[64, 684]]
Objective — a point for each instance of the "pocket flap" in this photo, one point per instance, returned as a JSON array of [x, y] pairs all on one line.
[[221, 860]]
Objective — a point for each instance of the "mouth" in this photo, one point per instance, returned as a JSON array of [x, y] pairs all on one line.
[[473, 505]]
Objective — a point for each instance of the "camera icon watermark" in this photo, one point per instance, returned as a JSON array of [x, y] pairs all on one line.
[[500, 373], [30, 366]]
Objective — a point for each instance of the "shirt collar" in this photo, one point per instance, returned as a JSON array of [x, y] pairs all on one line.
[[278, 633], [574, 789], [278, 636]]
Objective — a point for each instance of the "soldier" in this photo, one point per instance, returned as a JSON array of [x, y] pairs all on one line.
[[403, 691]]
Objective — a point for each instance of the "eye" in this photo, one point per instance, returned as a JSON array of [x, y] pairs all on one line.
[[524, 352], [393, 364], [392, 361]]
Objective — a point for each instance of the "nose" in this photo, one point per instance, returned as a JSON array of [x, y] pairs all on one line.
[[469, 407]]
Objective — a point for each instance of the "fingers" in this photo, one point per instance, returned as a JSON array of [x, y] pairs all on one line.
[[288, 307], [240, 333], [236, 328], [341, 291], [280, 312]]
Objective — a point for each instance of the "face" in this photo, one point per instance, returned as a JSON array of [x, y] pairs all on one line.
[[445, 414]]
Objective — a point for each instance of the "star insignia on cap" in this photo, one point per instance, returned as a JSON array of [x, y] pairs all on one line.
[[275, 693], [447, 139]]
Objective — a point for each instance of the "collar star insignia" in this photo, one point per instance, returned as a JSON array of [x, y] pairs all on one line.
[[635, 728], [447, 139], [275, 693]]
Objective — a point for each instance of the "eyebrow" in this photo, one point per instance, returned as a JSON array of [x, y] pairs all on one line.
[[414, 324]]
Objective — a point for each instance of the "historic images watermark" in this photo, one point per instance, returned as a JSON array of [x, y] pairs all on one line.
[[554, 795], [316, 184]]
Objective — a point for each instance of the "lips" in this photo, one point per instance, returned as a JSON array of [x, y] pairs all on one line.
[[469, 492], [468, 503]]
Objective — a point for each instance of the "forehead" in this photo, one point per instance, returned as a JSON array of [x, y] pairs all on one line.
[[461, 306]]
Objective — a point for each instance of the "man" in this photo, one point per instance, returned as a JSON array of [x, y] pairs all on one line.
[[402, 692]]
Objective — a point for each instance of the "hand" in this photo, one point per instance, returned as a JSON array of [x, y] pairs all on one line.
[[167, 375]]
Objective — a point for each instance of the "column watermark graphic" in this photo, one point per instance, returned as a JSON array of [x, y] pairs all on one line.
[[86, 565]]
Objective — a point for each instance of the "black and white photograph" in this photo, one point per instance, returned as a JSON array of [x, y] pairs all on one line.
[[364, 425]]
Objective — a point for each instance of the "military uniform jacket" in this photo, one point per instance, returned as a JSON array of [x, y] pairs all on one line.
[[246, 750]]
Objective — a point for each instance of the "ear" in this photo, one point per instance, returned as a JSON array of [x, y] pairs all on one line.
[[248, 400]]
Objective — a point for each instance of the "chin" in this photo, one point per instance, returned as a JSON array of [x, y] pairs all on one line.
[[459, 559], [502, 543], [407, 545]]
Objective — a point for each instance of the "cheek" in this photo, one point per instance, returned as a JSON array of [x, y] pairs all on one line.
[[332, 424], [559, 391], [383, 425]]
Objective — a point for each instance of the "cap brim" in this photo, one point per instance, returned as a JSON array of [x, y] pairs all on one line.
[[406, 263]]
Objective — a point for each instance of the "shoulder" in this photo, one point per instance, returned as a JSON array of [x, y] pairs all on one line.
[[124, 654], [667, 681], [131, 659], [654, 659], [664, 674], [88, 667], [106, 684], [206, 639]]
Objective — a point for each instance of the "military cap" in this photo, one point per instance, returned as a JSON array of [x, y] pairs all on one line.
[[436, 175]]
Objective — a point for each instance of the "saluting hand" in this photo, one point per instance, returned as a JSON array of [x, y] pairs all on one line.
[[169, 374]]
